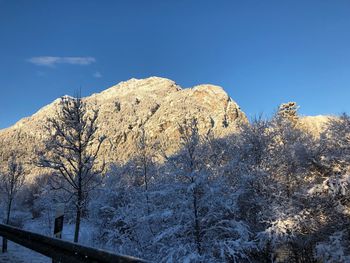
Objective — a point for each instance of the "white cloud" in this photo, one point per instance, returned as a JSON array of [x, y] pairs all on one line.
[[97, 74], [52, 61]]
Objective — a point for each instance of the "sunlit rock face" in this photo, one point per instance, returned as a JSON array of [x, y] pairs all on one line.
[[315, 124], [157, 104]]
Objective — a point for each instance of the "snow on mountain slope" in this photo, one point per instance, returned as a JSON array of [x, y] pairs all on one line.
[[157, 104]]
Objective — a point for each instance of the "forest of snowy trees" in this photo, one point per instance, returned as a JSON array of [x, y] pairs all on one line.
[[270, 193]]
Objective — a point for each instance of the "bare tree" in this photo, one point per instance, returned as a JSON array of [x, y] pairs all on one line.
[[190, 141], [72, 152], [145, 152], [11, 182]]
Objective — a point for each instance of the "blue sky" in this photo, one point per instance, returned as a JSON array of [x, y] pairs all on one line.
[[262, 52]]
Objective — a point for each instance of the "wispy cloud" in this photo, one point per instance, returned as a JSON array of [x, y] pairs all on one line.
[[97, 75], [49, 61]]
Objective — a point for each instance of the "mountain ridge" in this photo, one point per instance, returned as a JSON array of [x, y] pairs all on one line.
[[157, 104]]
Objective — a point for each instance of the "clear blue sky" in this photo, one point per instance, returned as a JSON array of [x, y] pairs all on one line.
[[262, 52]]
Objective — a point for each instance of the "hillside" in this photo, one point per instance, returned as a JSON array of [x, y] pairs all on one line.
[[158, 104]]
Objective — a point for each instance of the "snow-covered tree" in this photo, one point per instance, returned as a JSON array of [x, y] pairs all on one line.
[[11, 181], [71, 151], [267, 193], [329, 195], [288, 111], [144, 160], [198, 221]]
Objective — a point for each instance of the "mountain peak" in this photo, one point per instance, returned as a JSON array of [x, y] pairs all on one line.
[[155, 85], [157, 104]]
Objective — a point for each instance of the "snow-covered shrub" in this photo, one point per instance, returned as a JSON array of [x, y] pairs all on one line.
[[335, 250]]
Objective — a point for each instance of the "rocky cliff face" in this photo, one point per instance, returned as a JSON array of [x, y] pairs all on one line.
[[157, 104]]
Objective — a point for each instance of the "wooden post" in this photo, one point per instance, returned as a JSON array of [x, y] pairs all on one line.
[[58, 227], [59, 221], [4, 245]]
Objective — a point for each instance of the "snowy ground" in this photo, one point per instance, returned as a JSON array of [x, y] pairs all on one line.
[[19, 254]]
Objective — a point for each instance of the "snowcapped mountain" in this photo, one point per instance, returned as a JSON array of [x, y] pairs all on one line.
[[157, 104]]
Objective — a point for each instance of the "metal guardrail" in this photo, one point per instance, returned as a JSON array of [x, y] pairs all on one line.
[[62, 251]]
